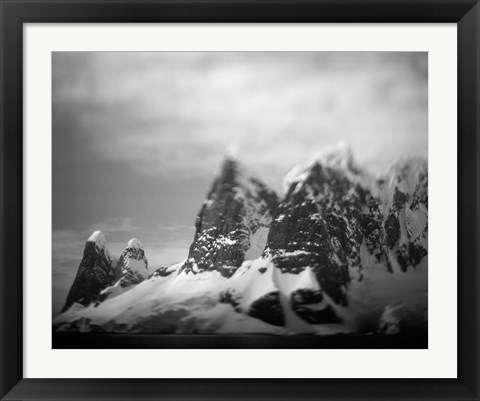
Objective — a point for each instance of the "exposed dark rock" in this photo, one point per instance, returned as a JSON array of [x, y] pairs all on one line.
[[420, 195], [332, 208], [163, 271], [94, 274], [229, 297], [302, 302], [399, 199], [126, 272], [321, 218], [371, 222], [410, 254], [392, 230], [305, 296], [269, 309], [236, 207], [131, 269]]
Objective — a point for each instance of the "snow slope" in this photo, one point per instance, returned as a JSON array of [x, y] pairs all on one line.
[[184, 302]]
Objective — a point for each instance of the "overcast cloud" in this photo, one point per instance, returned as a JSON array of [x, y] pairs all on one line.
[[175, 114]]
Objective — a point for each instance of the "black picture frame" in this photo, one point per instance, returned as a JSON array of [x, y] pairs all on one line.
[[14, 13]]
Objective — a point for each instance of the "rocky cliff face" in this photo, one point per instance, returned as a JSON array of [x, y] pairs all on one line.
[[131, 269], [405, 211], [338, 219], [318, 222], [233, 222], [94, 273]]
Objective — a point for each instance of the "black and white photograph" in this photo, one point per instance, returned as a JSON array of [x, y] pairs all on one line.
[[262, 195]]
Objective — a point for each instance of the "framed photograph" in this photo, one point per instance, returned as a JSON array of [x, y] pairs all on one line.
[[230, 200]]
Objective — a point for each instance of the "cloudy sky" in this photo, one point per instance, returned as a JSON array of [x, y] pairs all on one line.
[[137, 137]]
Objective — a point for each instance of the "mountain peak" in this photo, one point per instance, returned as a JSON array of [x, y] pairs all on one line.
[[337, 157], [232, 177], [95, 272], [229, 164], [231, 152], [232, 224], [134, 243], [407, 165], [99, 238], [406, 174]]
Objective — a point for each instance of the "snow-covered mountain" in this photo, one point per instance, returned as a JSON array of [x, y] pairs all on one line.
[[233, 222], [338, 219], [94, 273], [342, 251], [132, 269]]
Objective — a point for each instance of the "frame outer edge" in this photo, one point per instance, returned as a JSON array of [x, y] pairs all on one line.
[[11, 345], [11, 199], [240, 11], [469, 197]]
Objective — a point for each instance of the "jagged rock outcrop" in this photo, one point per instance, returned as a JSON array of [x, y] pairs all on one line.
[[163, 271], [269, 309], [233, 223], [406, 211], [131, 269], [94, 273], [305, 303], [337, 219]]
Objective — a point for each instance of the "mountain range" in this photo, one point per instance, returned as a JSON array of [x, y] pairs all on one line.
[[341, 251]]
